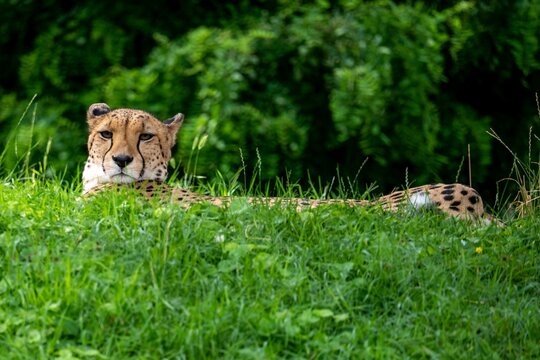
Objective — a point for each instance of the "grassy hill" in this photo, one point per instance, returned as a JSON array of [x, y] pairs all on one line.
[[118, 277]]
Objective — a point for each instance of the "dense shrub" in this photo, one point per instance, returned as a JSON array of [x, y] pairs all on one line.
[[303, 88], [313, 91]]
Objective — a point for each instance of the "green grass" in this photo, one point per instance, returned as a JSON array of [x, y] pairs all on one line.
[[116, 277]]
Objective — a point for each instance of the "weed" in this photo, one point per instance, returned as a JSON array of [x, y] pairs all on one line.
[[525, 175]]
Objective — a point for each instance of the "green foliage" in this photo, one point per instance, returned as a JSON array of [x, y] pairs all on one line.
[[117, 277], [304, 88], [32, 139], [210, 74], [360, 65], [61, 52]]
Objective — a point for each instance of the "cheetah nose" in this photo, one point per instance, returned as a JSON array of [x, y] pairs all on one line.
[[122, 160]]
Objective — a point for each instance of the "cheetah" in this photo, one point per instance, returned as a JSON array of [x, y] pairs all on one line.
[[132, 148]]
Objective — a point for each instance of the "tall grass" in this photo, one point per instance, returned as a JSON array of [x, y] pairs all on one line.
[[21, 167], [119, 277], [115, 277], [524, 176], [12, 144]]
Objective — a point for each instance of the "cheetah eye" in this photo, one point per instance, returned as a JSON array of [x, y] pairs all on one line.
[[106, 134], [145, 137]]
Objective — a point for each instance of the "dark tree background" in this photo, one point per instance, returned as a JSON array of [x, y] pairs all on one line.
[[306, 88]]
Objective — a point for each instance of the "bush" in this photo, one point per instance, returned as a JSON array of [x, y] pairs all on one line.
[[305, 90]]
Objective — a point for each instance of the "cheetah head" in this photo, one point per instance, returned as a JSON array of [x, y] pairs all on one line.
[[126, 146]]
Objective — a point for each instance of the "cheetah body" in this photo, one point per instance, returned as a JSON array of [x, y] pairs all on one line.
[[132, 148]]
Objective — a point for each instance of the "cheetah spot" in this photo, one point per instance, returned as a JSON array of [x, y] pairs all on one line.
[[448, 198], [473, 199]]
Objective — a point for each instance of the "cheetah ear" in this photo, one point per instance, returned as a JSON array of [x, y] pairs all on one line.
[[173, 124], [96, 110]]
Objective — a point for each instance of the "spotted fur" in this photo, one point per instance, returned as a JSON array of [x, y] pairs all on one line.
[[132, 148]]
